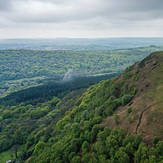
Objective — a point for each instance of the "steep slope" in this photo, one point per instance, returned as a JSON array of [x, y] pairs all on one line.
[[146, 116], [136, 98]]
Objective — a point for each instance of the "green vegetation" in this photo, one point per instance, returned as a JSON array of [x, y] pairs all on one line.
[[129, 110], [20, 69], [116, 118], [19, 64], [126, 99], [71, 126], [155, 140], [5, 156]]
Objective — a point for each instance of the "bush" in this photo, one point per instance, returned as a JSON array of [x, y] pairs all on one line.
[[85, 145], [127, 75], [155, 140], [63, 122], [97, 120], [76, 159], [116, 118], [117, 102], [135, 90], [160, 147], [126, 99], [39, 147], [129, 110]]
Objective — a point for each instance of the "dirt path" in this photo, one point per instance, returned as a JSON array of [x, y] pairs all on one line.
[[141, 115]]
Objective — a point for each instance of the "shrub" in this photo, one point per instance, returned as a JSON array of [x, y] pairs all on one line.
[[117, 102], [76, 159], [39, 147], [63, 122], [154, 119], [126, 99], [155, 140], [127, 75], [116, 118], [135, 90], [85, 145], [129, 110], [160, 147], [54, 101], [97, 120], [138, 140], [136, 72]]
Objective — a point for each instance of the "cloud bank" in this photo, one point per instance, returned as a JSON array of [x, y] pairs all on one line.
[[81, 18]]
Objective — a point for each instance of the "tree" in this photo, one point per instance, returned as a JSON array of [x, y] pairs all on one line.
[[39, 147], [76, 159], [126, 99], [86, 157], [121, 156], [138, 140], [129, 110], [155, 140], [85, 145], [116, 118], [63, 122], [152, 159], [71, 155], [130, 148], [160, 147], [101, 136]]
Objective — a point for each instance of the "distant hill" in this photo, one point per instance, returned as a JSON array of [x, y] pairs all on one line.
[[117, 120], [79, 44]]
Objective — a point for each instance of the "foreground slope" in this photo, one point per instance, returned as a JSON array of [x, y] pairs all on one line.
[[86, 125]]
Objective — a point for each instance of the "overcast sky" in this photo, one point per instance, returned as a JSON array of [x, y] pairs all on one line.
[[81, 18]]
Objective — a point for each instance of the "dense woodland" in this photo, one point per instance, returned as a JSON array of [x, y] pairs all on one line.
[[19, 64], [21, 69], [69, 128], [50, 88]]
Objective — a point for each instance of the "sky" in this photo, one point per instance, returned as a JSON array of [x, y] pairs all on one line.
[[80, 18]]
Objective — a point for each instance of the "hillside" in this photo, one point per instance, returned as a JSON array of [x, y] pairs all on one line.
[[21, 69], [146, 116], [116, 120]]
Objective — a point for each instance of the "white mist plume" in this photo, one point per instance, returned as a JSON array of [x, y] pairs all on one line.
[[68, 76]]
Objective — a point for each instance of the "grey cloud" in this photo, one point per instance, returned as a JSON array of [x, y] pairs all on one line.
[[5, 5], [55, 11], [77, 15], [39, 11]]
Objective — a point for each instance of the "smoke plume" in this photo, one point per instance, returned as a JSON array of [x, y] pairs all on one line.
[[68, 76]]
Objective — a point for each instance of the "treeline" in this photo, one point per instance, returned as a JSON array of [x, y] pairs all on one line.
[[46, 91]]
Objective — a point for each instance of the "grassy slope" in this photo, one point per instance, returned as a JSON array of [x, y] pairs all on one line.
[[149, 96]]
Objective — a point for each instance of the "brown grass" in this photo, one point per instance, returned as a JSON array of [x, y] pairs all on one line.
[[150, 91]]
